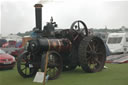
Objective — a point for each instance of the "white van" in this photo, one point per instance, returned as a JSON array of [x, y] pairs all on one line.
[[117, 42]]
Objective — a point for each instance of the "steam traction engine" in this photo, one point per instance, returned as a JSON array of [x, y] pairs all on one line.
[[68, 48]]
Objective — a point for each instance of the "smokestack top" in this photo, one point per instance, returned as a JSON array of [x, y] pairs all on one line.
[[38, 5]]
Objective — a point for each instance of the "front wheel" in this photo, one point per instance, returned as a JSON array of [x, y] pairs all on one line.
[[25, 66]]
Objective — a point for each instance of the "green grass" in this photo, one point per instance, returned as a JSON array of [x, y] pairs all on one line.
[[116, 74]]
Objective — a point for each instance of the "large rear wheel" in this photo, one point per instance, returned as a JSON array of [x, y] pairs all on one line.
[[92, 54]]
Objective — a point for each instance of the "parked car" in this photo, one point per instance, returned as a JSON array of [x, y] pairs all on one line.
[[6, 61], [2, 41], [19, 49], [17, 52], [9, 44]]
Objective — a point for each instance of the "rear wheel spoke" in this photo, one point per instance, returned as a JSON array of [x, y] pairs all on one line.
[[90, 47], [98, 62]]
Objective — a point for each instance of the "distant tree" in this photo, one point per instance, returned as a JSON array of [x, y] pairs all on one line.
[[27, 33]]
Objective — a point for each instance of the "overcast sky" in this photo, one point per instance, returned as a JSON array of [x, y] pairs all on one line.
[[19, 15]]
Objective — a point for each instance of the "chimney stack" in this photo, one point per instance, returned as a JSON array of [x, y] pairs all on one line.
[[38, 15]]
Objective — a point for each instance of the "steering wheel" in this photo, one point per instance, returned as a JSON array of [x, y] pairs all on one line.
[[80, 28]]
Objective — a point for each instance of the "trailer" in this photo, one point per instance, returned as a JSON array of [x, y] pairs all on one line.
[[117, 42]]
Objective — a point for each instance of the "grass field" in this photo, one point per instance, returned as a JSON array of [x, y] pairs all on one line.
[[116, 74]]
